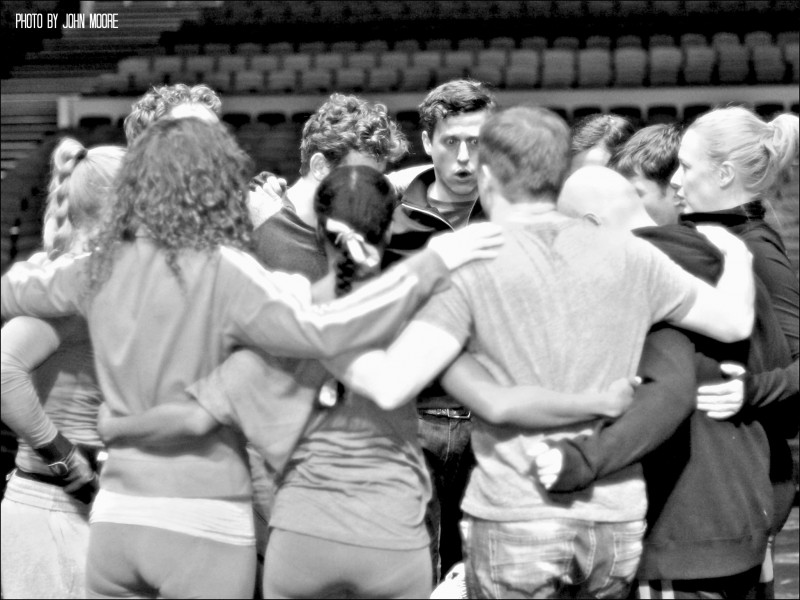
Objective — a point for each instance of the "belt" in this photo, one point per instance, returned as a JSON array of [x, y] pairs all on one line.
[[48, 479], [450, 413]]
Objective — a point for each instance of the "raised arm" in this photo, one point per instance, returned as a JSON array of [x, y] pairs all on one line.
[[470, 383]]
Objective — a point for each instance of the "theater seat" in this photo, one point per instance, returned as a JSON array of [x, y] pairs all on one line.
[[630, 67], [362, 60], [489, 74], [733, 64], [665, 65], [594, 68], [700, 61], [662, 113], [350, 78], [768, 65], [382, 79], [315, 81], [249, 82]]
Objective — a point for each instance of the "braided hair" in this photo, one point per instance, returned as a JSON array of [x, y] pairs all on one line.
[[80, 194], [354, 208]]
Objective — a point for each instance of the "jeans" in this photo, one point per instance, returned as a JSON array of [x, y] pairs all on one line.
[[551, 558], [446, 444]]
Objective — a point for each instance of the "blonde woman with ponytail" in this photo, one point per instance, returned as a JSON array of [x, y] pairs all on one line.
[[730, 165], [50, 400]]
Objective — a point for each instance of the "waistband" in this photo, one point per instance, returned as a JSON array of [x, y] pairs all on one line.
[[450, 413], [41, 495]]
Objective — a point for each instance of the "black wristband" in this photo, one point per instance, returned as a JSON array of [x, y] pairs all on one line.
[[56, 451]]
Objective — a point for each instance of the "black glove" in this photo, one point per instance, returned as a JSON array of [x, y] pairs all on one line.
[[67, 462]]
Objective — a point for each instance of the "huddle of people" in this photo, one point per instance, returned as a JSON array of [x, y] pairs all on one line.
[[551, 363]]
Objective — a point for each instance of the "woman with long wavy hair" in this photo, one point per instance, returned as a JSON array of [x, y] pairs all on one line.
[[169, 293], [51, 399]]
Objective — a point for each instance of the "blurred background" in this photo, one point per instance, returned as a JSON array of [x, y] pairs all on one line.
[[275, 62]]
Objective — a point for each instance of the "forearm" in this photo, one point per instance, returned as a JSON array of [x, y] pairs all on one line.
[[523, 406], [769, 387], [370, 315], [394, 376], [22, 408], [162, 425], [664, 400]]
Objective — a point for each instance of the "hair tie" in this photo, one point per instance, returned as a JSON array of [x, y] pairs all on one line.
[[80, 155], [364, 254]]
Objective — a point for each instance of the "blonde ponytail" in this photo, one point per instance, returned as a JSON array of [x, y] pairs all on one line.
[[783, 145], [81, 188], [759, 151]]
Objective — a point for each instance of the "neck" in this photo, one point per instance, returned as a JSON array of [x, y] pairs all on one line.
[[731, 199], [528, 211], [640, 219], [439, 192], [301, 195]]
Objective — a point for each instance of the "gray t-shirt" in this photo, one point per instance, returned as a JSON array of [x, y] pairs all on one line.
[[565, 306]]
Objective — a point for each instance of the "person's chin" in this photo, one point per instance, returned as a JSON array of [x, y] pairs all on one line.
[[463, 187]]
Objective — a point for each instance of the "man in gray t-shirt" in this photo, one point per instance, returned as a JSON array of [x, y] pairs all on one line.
[[565, 306]]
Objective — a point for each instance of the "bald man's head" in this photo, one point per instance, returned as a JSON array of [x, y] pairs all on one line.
[[603, 194]]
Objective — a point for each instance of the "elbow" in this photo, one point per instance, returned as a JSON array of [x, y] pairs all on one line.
[[742, 327], [389, 396], [494, 415]]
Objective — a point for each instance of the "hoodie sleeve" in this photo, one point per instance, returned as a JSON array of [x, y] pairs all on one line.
[[664, 400]]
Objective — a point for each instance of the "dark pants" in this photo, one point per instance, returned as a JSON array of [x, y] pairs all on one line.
[[445, 441]]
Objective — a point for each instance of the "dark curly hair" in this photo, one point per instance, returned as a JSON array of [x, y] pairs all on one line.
[[454, 98], [363, 200], [183, 183], [157, 102], [346, 123]]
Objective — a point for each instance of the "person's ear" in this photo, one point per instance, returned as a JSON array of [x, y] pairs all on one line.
[[426, 142], [726, 174], [318, 166], [593, 218]]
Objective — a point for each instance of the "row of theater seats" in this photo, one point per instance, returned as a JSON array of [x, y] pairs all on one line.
[[472, 44], [524, 68], [364, 11]]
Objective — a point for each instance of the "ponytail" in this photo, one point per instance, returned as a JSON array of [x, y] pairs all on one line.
[[80, 191], [783, 145], [60, 235], [759, 151]]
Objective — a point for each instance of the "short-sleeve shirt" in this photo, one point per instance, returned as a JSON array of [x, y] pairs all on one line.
[[356, 473], [565, 306]]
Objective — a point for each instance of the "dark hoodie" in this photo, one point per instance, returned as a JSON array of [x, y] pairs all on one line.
[[709, 495], [413, 223]]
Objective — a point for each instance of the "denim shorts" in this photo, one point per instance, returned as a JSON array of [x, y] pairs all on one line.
[[551, 558]]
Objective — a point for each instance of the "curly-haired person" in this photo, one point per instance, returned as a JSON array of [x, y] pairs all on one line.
[[168, 294], [344, 131], [161, 101]]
